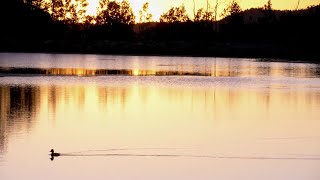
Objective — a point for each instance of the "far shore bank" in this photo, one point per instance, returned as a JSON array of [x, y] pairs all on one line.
[[265, 51]]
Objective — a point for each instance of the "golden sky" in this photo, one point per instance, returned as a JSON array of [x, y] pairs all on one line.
[[157, 7]]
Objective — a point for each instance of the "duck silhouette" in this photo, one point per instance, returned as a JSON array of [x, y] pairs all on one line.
[[53, 154]]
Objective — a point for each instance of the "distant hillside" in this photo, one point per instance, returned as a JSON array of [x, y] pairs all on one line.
[[255, 15]]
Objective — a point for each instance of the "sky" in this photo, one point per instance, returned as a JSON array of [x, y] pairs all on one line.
[[157, 7]]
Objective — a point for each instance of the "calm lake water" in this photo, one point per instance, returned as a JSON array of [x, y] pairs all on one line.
[[159, 118]]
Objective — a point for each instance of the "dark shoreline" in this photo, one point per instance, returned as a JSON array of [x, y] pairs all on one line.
[[265, 52]]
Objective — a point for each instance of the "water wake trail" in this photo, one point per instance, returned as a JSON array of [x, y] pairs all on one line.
[[306, 155], [87, 153], [197, 156], [122, 149], [293, 138]]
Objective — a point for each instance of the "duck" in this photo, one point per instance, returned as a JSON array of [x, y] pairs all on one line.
[[53, 154]]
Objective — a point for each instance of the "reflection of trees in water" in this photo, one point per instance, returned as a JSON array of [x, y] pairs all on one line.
[[226, 67], [68, 95], [110, 96], [3, 109], [23, 102], [79, 97], [19, 107]]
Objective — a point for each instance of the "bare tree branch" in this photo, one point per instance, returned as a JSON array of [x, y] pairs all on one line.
[[194, 8], [298, 5]]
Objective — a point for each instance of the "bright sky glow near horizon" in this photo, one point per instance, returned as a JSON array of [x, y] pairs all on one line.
[[157, 7]]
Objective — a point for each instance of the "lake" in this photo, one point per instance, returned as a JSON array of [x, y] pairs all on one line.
[[159, 118]]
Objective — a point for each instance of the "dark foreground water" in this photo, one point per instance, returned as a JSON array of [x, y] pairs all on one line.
[[130, 117]]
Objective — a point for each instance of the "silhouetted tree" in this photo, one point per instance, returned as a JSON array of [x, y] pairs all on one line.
[[269, 16], [175, 14], [110, 15], [268, 6], [114, 20], [145, 16], [204, 15], [81, 10], [56, 10], [103, 5], [127, 15], [32, 4], [216, 6], [67, 11], [116, 13], [232, 9], [22, 19]]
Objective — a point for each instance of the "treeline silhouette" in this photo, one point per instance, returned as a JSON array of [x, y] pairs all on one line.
[[64, 26]]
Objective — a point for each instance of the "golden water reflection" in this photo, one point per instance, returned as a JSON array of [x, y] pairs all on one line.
[[226, 69], [24, 107], [242, 108]]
